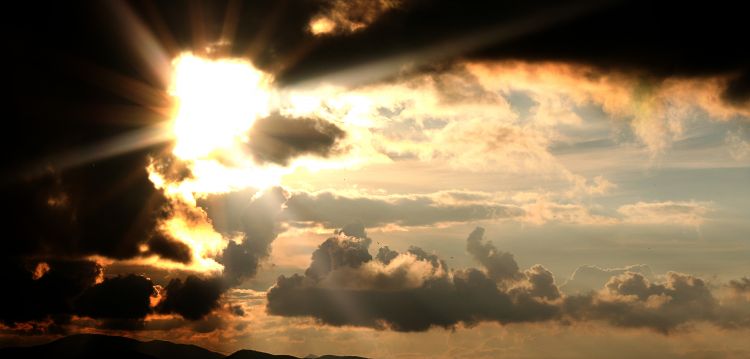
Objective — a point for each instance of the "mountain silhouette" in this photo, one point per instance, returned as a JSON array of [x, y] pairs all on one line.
[[90, 346]]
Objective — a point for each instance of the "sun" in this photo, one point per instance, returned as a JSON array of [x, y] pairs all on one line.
[[218, 100]]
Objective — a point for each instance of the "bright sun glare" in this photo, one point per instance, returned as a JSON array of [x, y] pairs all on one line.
[[218, 102]]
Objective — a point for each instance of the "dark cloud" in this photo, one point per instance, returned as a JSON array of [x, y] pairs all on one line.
[[117, 298], [740, 286], [345, 286], [108, 208], [630, 300], [329, 293], [651, 40], [500, 265], [335, 211], [468, 297], [542, 283], [168, 248], [192, 298], [339, 251], [73, 188], [385, 255], [278, 139], [252, 215], [656, 40], [33, 295]]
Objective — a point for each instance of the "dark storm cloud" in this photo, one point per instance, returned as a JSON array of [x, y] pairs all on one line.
[[192, 298], [468, 296], [31, 296], [59, 204], [343, 286], [653, 39], [335, 211], [278, 139], [108, 208], [117, 298]]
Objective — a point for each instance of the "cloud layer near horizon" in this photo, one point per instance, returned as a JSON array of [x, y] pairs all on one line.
[[414, 291]]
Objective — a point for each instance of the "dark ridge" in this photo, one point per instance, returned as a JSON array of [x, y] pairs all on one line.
[[104, 346], [89, 346]]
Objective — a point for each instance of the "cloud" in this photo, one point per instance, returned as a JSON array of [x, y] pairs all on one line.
[[254, 217], [278, 139], [740, 288], [165, 247], [249, 221], [109, 208], [741, 285], [127, 297], [193, 298], [588, 278], [413, 291], [500, 265], [343, 251], [340, 16], [484, 31], [541, 283], [685, 213], [630, 300], [334, 211], [51, 295]]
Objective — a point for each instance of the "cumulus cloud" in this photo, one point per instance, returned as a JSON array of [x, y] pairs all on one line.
[[127, 297], [541, 283], [500, 265], [192, 298], [409, 291], [254, 218], [630, 300], [413, 291], [51, 295]]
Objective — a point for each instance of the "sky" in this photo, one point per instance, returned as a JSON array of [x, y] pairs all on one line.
[[384, 178]]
